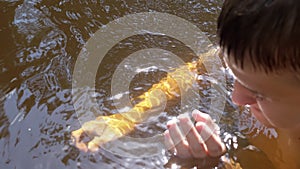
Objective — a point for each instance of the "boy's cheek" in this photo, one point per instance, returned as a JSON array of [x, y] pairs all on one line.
[[281, 115]]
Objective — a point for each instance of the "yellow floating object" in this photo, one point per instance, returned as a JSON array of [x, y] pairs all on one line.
[[107, 128]]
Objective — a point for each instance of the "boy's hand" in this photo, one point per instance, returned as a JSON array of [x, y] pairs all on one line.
[[187, 140]]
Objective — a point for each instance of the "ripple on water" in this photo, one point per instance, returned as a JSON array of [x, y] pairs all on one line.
[[36, 110]]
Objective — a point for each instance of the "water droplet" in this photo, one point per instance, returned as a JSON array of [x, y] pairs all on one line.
[[107, 8]]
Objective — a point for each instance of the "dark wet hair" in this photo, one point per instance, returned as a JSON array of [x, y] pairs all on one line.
[[268, 31]]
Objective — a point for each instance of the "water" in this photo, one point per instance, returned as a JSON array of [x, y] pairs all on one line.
[[40, 42]]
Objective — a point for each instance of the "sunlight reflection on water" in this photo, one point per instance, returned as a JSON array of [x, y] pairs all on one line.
[[41, 42]]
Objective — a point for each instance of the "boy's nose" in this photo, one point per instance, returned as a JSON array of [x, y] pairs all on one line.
[[242, 96]]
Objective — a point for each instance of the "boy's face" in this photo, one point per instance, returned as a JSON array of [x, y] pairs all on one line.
[[274, 99]]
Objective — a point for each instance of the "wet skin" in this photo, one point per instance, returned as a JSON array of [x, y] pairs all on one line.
[[273, 98]]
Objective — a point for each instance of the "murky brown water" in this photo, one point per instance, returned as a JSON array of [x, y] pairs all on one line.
[[40, 42]]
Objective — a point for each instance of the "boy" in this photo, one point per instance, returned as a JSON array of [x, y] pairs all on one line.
[[260, 40]]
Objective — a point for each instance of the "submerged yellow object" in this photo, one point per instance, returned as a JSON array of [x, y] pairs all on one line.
[[107, 128]]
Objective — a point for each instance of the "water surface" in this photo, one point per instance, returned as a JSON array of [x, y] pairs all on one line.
[[40, 42]]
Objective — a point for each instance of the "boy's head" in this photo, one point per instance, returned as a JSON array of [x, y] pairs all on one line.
[[264, 32], [261, 41]]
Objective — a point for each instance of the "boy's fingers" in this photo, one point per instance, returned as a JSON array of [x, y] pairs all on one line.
[[205, 118], [168, 142], [196, 144], [215, 147], [199, 116], [187, 140], [180, 143]]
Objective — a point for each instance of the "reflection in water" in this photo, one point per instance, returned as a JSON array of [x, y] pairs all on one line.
[[40, 41], [108, 128]]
